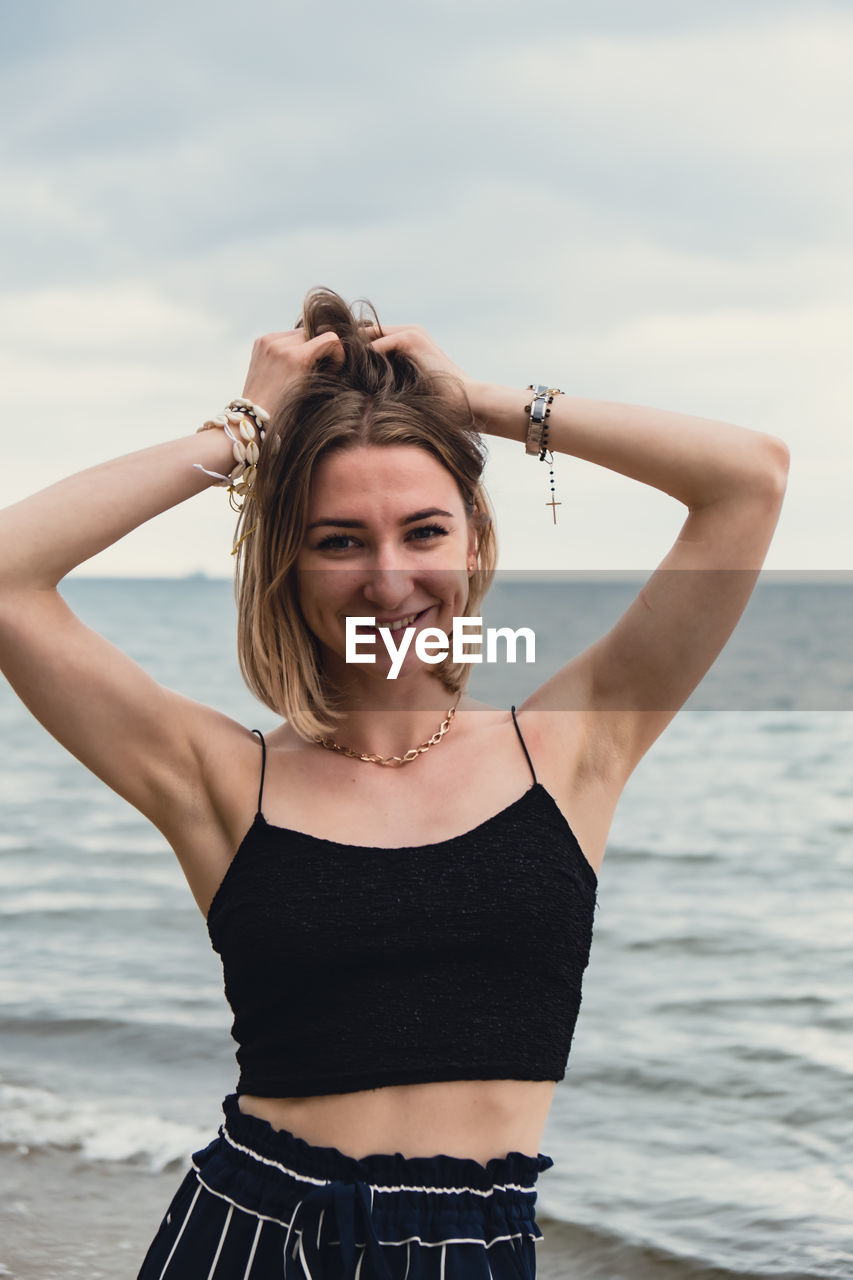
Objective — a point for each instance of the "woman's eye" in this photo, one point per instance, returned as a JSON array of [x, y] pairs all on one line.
[[429, 531], [335, 542], [343, 541]]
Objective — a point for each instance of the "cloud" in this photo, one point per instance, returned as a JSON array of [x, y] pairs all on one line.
[[648, 203], [150, 150]]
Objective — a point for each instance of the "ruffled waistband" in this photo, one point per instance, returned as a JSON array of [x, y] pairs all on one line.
[[391, 1198], [328, 1163]]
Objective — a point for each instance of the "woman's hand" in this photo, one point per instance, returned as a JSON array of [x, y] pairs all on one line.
[[279, 359], [414, 341]]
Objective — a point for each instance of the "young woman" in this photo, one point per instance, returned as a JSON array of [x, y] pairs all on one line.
[[400, 880]]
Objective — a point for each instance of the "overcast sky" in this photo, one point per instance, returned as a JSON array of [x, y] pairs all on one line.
[[648, 202]]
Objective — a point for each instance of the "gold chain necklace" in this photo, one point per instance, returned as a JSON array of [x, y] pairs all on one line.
[[392, 761]]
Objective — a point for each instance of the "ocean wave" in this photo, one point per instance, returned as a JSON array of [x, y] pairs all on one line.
[[38, 1119], [101, 1029], [74, 903], [598, 1254]]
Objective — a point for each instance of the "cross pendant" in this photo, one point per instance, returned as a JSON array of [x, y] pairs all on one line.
[[553, 505]]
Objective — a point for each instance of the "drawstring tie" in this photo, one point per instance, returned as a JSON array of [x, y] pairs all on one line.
[[344, 1203]]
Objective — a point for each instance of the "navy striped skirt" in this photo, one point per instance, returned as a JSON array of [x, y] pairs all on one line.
[[260, 1203]]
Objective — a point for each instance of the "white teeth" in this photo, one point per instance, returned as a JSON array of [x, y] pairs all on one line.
[[404, 622]]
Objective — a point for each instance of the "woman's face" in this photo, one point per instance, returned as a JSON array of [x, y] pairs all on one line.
[[387, 537]]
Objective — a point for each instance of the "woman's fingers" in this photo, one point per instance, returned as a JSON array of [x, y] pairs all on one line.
[[278, 359], [325, 344], [399, 337], [414, 341], [411, 339], [389, 342]]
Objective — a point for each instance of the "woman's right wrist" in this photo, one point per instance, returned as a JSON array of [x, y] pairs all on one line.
[[242, 423]]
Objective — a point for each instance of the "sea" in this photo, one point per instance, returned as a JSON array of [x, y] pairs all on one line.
[[705, 1124]]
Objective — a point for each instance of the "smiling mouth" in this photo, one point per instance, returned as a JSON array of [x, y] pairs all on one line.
[[400, 624]]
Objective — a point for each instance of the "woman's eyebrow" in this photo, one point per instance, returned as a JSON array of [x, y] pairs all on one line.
[[360, 524]]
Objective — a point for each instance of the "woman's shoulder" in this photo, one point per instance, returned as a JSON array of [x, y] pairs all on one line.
[[231, 755], [218, 811], [561, 738], [561, 730], [575, 764]]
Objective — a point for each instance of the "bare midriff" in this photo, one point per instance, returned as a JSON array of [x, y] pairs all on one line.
[[474, 1119]]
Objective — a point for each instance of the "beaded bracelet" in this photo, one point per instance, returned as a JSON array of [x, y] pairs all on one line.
[[539, 410], [250, 420]]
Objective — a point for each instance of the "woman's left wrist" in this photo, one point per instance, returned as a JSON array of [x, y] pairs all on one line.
[[499, 410]]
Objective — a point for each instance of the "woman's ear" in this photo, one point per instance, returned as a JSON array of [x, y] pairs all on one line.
[[472, 548]]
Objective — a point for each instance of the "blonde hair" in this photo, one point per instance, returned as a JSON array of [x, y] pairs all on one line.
[[371, 399]]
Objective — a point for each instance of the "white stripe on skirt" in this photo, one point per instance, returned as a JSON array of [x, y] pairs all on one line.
[[181, 1232], [228, 1218], [303, 1259], [289, 1229], [261, 1222]]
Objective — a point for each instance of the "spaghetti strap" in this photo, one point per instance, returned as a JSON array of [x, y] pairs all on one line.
[[523, 744], [263, 772]]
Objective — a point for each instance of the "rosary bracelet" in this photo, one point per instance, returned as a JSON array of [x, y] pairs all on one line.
[[539, 411]]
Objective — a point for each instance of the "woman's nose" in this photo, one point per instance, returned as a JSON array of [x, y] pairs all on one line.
[[387, 586]]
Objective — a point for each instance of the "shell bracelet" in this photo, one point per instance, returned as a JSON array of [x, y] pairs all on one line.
[[251, 423]]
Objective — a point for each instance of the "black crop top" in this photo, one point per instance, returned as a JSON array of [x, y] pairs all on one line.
[[350, 967]]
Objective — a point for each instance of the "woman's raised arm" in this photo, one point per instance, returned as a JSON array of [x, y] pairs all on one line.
[[144, 741], [135, 735], [732, 480]]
